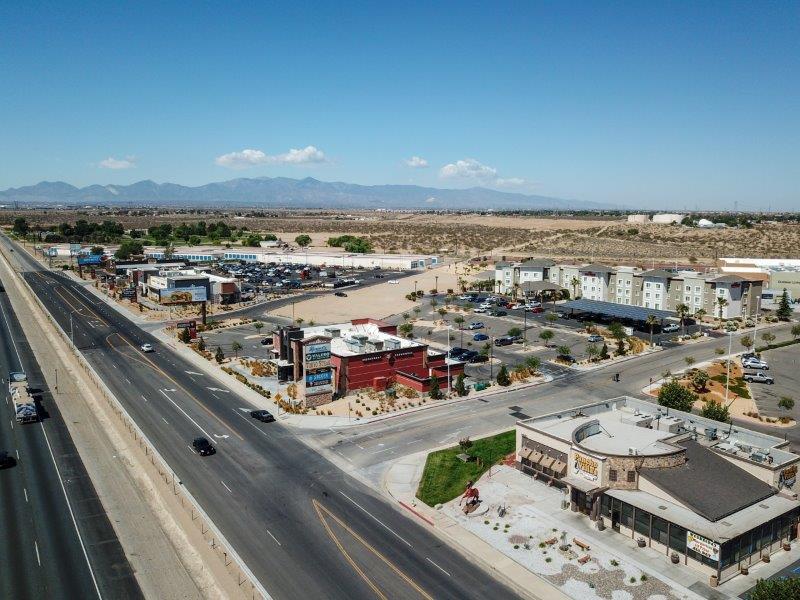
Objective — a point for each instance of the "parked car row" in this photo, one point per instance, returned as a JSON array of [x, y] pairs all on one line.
[[750, 360]]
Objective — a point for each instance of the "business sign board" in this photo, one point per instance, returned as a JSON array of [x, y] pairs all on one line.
[[182, 295], [90, 259], [74, 249], [190, 325], [788, 477], [128, 293], [317, 356], [702, 545], [319, 382], [585, 466]]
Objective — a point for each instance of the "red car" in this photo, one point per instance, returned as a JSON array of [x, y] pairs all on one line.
[[536, 309]]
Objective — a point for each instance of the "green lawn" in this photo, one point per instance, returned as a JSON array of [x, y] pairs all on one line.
[[445, 476]]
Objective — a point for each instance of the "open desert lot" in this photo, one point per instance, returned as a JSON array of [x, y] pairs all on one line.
[[571, 237]]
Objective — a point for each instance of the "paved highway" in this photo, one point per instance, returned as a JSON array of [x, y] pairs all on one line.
[[303, 526], [55, 539]]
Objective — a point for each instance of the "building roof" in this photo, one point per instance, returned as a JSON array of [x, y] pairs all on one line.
[[708, 484], [596, 267], [728, 279], [353, 339], [539, 262], [659, 273], [621, 311], [540, 286]]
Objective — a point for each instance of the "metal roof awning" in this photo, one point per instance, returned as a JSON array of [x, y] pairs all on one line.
[[621, 311], [536, 457], [559, 467], [525, 453], [547, 462], [580, 483]]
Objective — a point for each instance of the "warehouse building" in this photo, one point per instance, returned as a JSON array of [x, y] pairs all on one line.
[[709, 495]]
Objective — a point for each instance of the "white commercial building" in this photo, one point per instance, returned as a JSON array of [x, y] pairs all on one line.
[[667, 218]]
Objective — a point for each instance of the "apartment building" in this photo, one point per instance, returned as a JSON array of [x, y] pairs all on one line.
[[658, 289], [509, 276]]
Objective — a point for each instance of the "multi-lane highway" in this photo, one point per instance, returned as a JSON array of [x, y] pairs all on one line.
[[302, 525], [55, 539]]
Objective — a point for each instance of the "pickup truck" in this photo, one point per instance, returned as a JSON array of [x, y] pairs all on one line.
[[758, 378]]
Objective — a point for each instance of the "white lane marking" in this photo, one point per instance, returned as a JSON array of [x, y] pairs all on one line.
[[208, 435], [165, 421], [36, 547], [413, 442], [71, 514], [274, 538], [193, 373], [438, 567], [191, 449], [213, 389], [25, 491], [343, 456], [17, 451], [226, 487], [12, 423], [376, 519], [246, 420], [143, 398]]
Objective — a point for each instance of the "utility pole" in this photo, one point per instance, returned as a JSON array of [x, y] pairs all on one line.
[[448, 359], [728, 373]]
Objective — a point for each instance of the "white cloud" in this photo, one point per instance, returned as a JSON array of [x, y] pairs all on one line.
[[250, 158], [469, 168], [416, 162], [128, 162], [509, 182]]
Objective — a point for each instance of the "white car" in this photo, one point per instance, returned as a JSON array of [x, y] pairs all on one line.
[[465, 297], [480, 309], [755, 363], [146, 347], [670, 328], [394, 281]]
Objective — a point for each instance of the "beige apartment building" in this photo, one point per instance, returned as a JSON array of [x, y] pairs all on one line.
[[656, 288]]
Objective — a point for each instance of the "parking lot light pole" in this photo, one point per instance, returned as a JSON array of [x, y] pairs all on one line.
[[448, 359], [728, 374], [524, 327], [491, 356]]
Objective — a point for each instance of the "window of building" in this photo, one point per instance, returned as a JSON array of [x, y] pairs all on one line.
[[697, 300], [658, 296], [647, 305], [687, 298], [612, 475], [631, 476], [697, 289], [626, 516], [647, 284], [628, 283], [605, 506], [677, 538], [642, 524], [659, 530], [688, 288], [647, 294]]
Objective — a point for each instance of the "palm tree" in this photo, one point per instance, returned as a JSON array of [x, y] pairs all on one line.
[[721, 304], [682, 311], [651, 322], [236, 346], [574, 282], [699, 314]]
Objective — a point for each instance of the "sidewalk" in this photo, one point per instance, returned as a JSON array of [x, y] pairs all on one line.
[[400, 484]]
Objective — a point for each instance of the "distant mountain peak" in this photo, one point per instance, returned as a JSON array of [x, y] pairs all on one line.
[[285, 192]]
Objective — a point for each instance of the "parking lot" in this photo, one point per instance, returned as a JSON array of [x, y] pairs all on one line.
[[784, 364], [285, 278], [247, 336]]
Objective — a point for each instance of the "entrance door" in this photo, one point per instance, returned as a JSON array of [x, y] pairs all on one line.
[[615, 519]]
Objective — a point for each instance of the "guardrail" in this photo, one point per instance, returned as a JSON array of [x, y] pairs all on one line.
[[247, 582]]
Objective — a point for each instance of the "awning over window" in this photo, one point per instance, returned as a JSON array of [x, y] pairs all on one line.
[[559, 467], [547, 462], [525, 453], [536, 457]]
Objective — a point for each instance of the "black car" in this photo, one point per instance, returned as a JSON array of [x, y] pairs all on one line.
[[340, 294], [497, 313], [379, 276], [267, 341], [503, 341], [456, 351], [479, 358], [468, 355], [262, 415], [6, 460], [203, 447]]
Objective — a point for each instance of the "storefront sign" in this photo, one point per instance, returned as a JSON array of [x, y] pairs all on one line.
[[183, 295], [585, 466], [702, 545], [316, 356]]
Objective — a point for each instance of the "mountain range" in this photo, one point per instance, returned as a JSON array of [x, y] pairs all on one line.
[[284, 192]]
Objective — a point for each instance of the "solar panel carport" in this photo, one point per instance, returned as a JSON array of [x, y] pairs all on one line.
[[620, 311]]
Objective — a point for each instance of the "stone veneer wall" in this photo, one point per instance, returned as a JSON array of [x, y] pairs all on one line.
[[625, 464]]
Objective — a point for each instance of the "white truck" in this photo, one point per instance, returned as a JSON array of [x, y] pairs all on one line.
[[24, 404]]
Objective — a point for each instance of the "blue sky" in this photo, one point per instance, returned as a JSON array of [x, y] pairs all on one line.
[[650, 104]]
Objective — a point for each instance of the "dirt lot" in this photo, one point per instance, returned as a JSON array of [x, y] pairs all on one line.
[[607, 238]]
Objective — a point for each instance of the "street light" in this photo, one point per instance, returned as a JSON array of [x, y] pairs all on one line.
[[447, 360], [728, 373]]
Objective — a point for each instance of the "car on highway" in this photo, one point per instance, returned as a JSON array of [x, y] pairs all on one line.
[[755, 363], [595, 338], [6, 460], [394, 281], [758, 378], [480, 337], [497, 313], [203, 447], [340, 294], [476, 325], [146, 347], [267, 341], [670, 328], [262, 415], [504, 341]]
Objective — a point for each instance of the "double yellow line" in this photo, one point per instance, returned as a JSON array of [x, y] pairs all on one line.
[[322, 511]]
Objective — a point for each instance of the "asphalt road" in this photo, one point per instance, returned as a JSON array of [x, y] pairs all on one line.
[[55, 539], [369, 446], [302, 525]]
